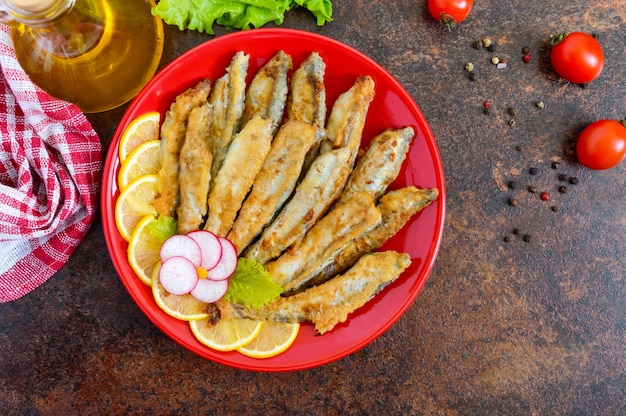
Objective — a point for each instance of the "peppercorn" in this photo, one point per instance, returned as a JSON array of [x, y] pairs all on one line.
[[526, 58], [512, 111], [540, 104], [512, 185], [477, 44], [525, 50], [555, 165], [492, 47], [533, 171], [562, 189], [532, 189], [573, 180], [512, 202], [527, 238], [519, 148], [469, 67], [487, 42], [507, 239], [544, 196], [562, 177], [554, 208], [516, 231], [471, 76], [495, 60]]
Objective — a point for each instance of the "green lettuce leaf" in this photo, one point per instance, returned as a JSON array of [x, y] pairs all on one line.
[[163, 228], [251, 285], [201, 15]]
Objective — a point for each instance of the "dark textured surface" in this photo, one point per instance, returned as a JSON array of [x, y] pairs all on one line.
[[518, 328]]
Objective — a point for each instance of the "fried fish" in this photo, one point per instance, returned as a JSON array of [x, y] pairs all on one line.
[[267, 93], [195, 170], [320, 187], [228, 100], [234, 180], [328, 237], [380, 165], [173, 132], [275, 182], [330, 303], [307, 101]]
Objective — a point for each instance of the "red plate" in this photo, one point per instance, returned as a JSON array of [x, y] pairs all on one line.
[[392, 107]]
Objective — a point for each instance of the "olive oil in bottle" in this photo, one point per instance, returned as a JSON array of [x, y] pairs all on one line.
[[96, 54]]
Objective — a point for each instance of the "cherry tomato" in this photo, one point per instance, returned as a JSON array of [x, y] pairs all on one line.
[[602, 144], [577, 57], [450, 12]]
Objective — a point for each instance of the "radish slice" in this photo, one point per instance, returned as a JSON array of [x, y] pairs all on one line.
[[181, 246], [209, 246], [178, 275], [210, 291], [228, 262]]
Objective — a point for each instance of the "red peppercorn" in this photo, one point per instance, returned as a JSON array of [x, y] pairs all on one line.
[[544, 196], [526, 58]]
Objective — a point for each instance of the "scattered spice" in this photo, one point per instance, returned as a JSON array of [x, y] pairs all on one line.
[[469, 67], [533, 171], [512, 111], [532, 189], [487, 107], [512, 202], [525, 50], [544, 196], [487, 42], [526, 58], [555, 165], [495, 60], [501, 65], [507, 239], [471, 76], [512, 122], [527, 238], [491, 47], [516, 231], [512, 185], [554, 208], [562, 177], [540, 104], [562, 189], [519, 148], [573, 180]]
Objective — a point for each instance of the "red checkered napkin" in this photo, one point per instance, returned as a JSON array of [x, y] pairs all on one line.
[[50, 169]]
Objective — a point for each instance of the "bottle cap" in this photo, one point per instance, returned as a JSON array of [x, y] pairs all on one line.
[[32, 6]]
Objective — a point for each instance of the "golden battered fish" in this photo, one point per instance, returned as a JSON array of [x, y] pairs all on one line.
[[195, 170], [397, 208], [380, 165], [320, 188], [173, 132], [275, 182], [228, 100], [328, 237], [234, 180], [330, 303], [307, 100], [347, 117], [267, 93]]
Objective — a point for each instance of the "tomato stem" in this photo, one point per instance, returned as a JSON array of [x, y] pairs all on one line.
[[556, 39], [447, 20], [622, 121]]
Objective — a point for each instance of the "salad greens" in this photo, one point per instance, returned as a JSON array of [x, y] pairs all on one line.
[[235, 14], [251, 285]]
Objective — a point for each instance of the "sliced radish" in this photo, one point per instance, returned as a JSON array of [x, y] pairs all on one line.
[[210, 291], [228, 262], [210, 247], [181, 246], [178, 275]]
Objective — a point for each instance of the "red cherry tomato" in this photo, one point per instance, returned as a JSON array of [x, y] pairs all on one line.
[[450, 12], [602, 144], [577, 57]]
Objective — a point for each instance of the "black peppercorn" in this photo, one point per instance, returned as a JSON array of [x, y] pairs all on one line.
[[511, 185], [554, 208], [533, 171], [573, 180], [512, 111], [562, 177], [507, 239], [472, 76], [519, 148], [525, 50], [555, 165], [532, 189], [492, 47], [516, 231], [527, 238], [562, 189]]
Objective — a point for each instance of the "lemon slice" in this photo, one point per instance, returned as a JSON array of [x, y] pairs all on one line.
[[227, 334], [185, 307], [273, 339], [141, 129], [134, 203], [143, 250], [145, 159]]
